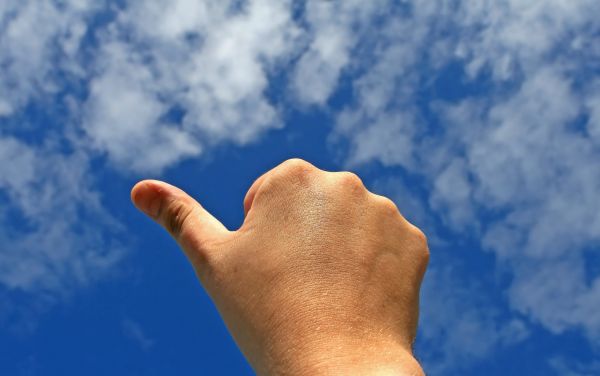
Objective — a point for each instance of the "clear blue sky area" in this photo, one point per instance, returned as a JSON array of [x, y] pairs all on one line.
[[481, 120]]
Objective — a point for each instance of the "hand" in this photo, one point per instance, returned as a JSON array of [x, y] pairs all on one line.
[[322, 278]]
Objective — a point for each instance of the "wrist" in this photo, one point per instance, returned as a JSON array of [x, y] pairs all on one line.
[[333, 356]]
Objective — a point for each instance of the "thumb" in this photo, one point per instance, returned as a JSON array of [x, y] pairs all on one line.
[[194, 228]]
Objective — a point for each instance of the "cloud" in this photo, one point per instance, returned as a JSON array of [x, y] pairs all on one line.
[[333, 30], [533, 167], [172, 78], [144, 84], [568, 367], [161, 81], [133, 331], [493, 106], [55, 235], [509, 161], [48, 243], [28, 63], [123, 116]]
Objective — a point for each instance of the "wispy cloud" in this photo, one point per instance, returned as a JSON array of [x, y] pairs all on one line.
[[47, 245], [145, 84], [567, 367], [334, 28], [509, 161], [28, 63], [493, 105], [133, 330], [172, 78]]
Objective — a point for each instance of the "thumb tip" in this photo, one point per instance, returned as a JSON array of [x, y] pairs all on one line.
[[146, 195]]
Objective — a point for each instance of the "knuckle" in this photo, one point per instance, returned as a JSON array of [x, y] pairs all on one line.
[[419, 235], [421, 244], [175, 217], [267, 187], [350, 180], [297, 167], [296, 172], [424, 256], [388, 205]]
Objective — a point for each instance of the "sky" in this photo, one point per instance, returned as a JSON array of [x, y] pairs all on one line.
[[480, 119]]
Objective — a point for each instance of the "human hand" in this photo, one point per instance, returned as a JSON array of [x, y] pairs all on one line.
[[322, 277]]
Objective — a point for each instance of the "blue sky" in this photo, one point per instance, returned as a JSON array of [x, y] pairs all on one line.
[[481, 119]]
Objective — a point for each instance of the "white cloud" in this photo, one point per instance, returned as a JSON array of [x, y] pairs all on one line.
[[143, 65], [333, 30], [388, 138], [212, 66], [568, 367], [510, 163], [53, 229], [452, 195], [531, 165], [134, 331], [123, 116], [49, 244], [593, 108], [28, 62], [208, 61]]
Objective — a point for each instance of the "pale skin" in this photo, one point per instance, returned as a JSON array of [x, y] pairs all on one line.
[[322, 278]]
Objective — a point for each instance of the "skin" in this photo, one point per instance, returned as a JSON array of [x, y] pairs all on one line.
[[322, 278]]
